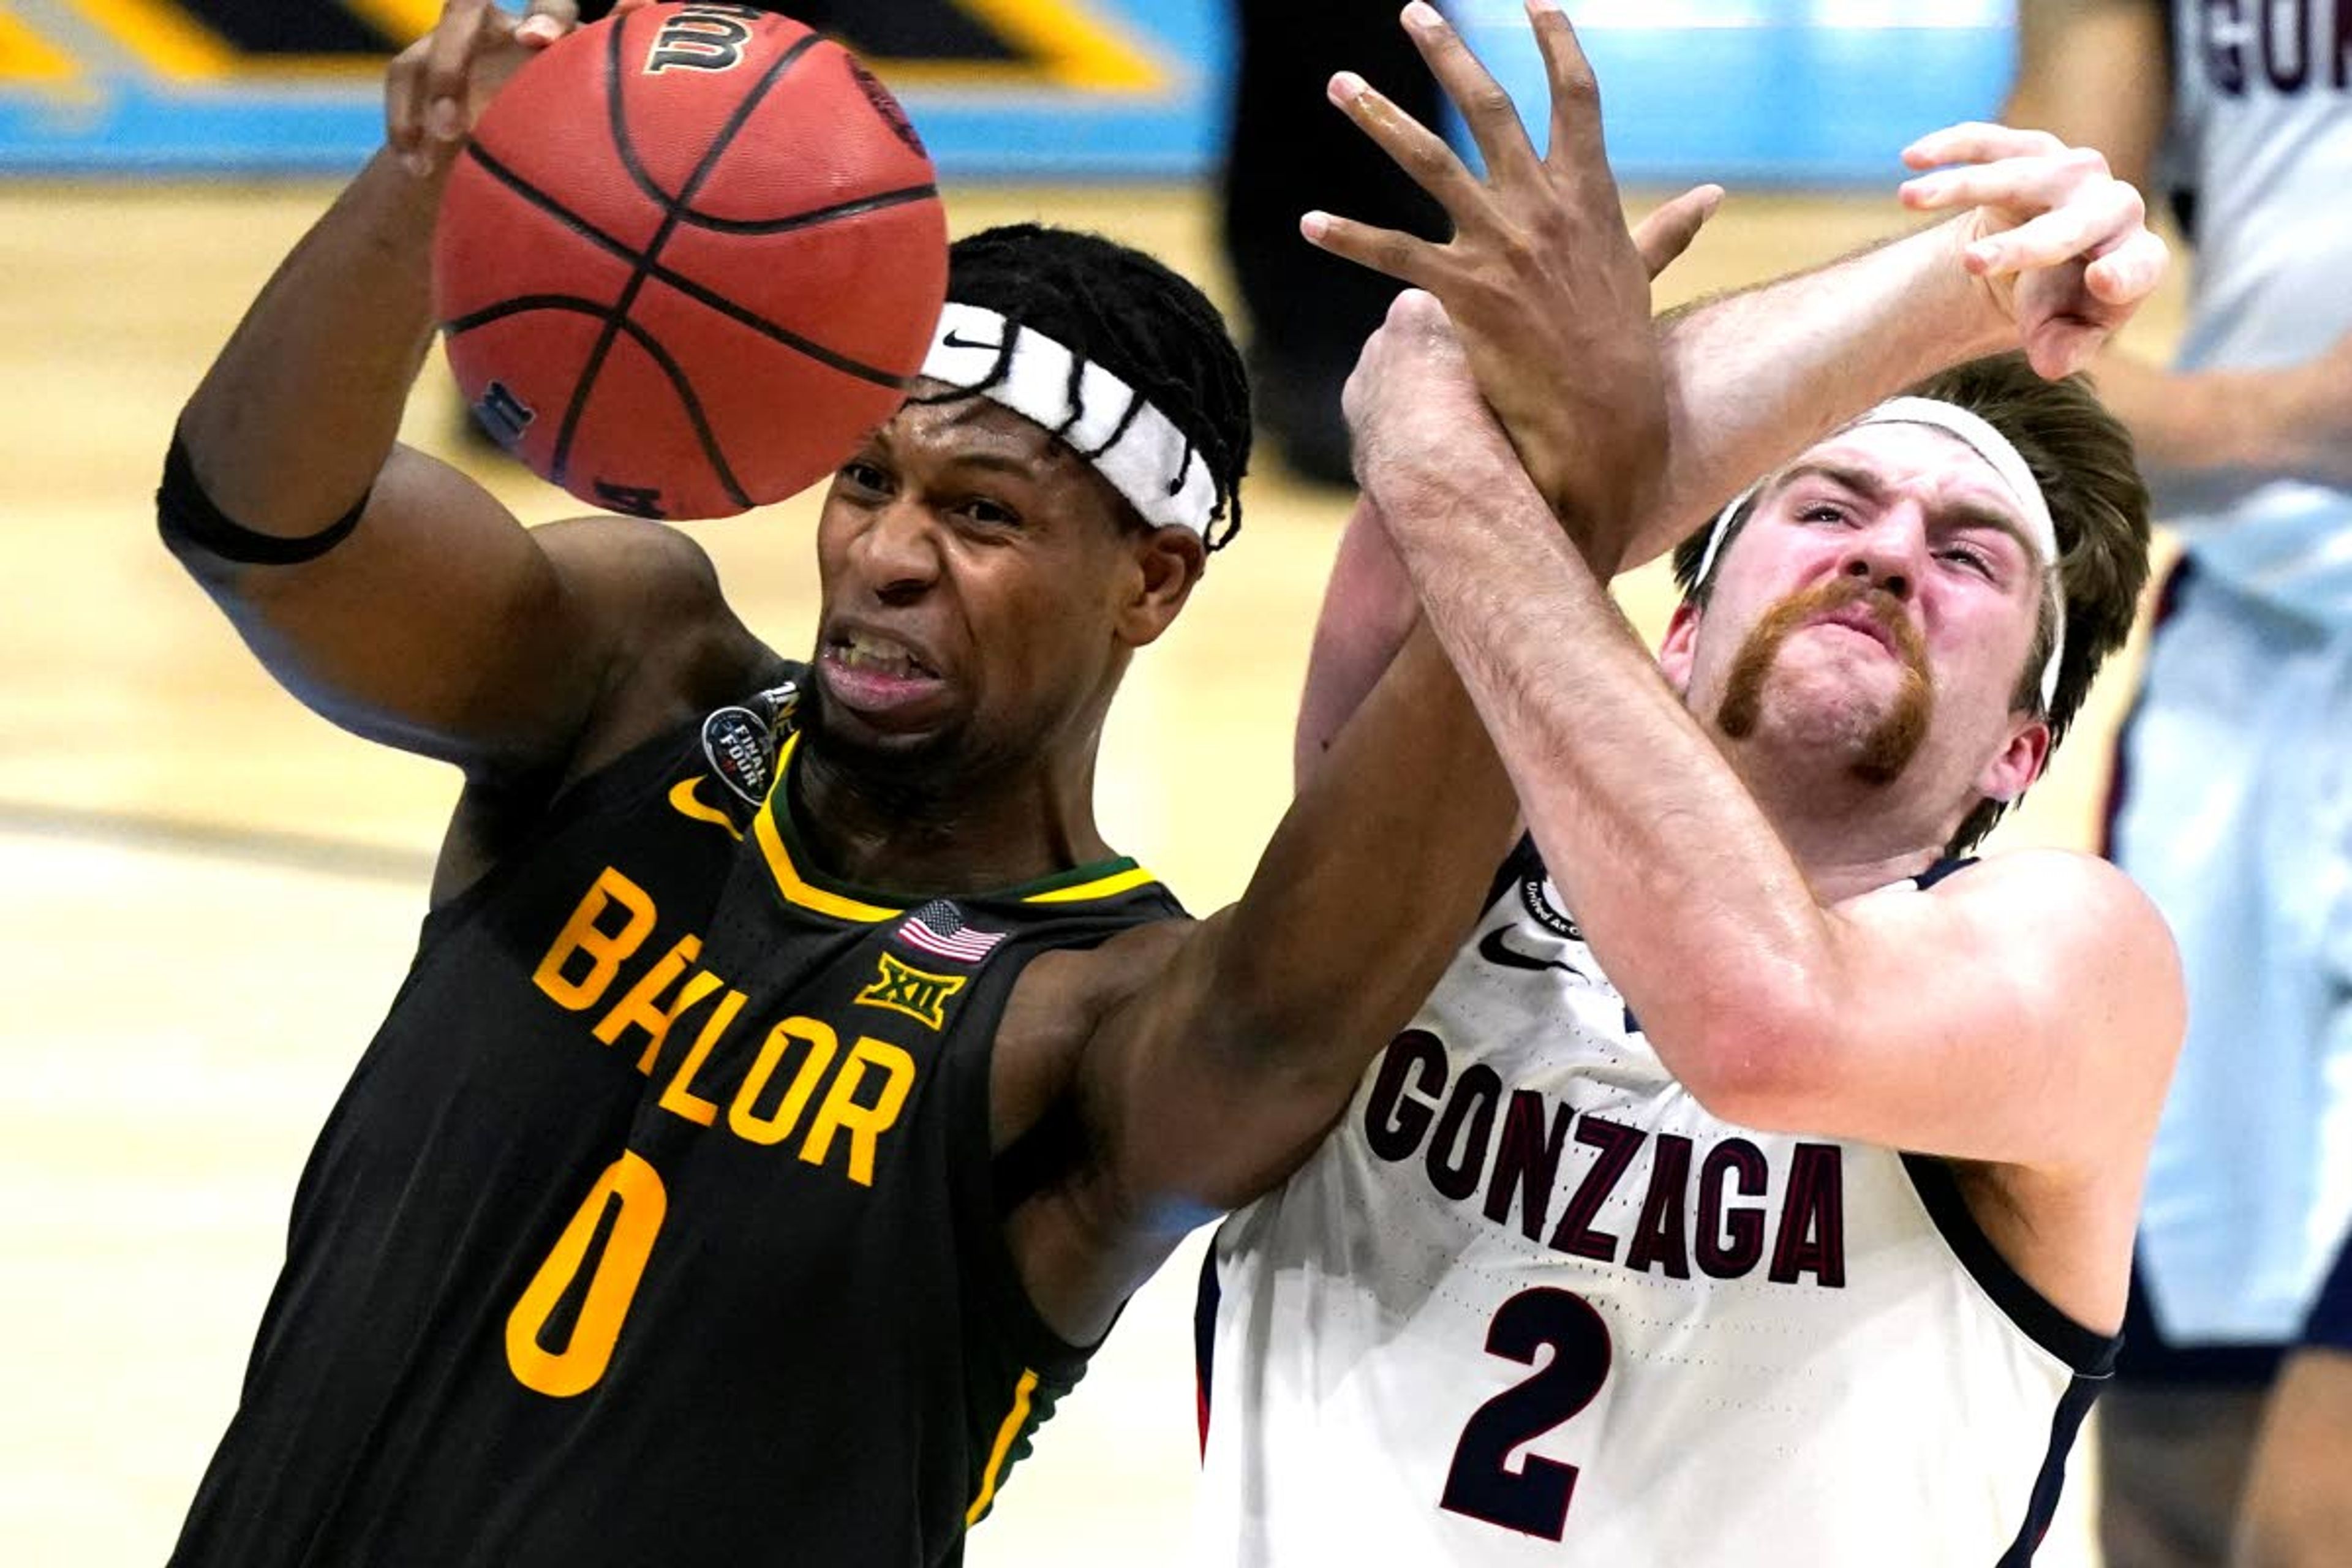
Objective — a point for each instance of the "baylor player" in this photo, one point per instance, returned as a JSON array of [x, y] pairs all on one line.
[[791, 1082]]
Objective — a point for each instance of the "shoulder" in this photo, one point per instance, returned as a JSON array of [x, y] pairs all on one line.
[[1060, 1001], [2075, 932], [673, 644]]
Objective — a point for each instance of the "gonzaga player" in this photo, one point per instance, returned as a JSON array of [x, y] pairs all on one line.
[[1757, 1186]]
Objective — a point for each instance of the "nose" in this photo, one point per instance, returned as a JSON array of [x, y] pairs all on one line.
[[897, 555], [1888, 553]]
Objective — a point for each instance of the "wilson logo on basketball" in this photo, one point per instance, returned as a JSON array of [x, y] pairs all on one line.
[[702, 38]]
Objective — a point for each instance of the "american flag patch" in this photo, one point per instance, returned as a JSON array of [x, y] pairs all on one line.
[[937, 928]]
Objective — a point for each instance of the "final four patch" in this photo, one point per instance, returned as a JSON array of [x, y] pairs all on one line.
[[742, 751]]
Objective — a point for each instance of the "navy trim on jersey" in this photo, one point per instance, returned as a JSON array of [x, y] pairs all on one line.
[[1206, 1298], [2088, 1351], [2065, 1423], [1524, 860], [1941, 869]]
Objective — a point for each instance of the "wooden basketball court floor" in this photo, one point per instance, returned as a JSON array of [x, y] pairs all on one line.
[[207, 895]]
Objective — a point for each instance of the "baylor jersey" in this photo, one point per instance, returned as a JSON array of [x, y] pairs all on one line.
[[658, 1224]]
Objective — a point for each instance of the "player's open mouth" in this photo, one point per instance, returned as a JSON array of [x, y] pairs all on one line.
[[881, 655], [877, 675]]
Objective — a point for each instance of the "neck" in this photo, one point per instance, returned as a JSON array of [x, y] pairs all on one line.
[[877, 827], [1847, 836]]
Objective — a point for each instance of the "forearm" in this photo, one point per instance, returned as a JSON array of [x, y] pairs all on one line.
[[1754, 377], [2186, 425], [298, 413], [1367, 612], [1641, 821]]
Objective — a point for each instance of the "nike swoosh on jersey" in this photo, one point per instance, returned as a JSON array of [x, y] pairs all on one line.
[[952, 340], [1495, 951]]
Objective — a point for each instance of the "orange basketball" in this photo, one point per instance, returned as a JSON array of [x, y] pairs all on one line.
[[691, 256]]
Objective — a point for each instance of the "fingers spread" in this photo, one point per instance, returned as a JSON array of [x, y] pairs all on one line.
[[1668, 230], [1576, 140], [1487, 110], [1419, 151], [1384, 250]]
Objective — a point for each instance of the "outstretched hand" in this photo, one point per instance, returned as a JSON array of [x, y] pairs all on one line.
[[1548, 291], [2062, 247], [436, 89]]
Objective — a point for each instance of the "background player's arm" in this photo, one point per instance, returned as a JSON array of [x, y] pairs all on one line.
[[440, 625]]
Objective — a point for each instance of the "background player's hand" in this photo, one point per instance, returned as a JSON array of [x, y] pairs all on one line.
[[438, 87], [1547, 290], [2061, 245]]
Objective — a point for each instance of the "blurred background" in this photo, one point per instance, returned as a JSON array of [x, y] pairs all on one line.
[[207, 896]]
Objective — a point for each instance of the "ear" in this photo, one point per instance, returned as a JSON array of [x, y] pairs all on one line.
[[2017, 764], [1679, 650], [1167, 562]]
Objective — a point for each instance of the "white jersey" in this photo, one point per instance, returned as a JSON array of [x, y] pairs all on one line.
[[2261, 136], [1529, 1303]]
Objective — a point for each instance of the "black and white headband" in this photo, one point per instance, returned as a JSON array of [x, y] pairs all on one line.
[[2000, 456], [1131, 443]]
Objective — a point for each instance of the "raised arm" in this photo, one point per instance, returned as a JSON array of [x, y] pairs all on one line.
[[1226, 1051], [1752, 376], [2023, 1015], [433, 621]]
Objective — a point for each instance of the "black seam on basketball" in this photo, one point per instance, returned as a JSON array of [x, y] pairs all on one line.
[[594, 364], [678, 280], [639, 335], [617, 120], [808, 219]]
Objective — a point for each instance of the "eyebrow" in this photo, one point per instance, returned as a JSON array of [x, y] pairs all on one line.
[[1867, 485]]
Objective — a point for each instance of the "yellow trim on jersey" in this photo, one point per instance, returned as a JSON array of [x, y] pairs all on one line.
[[798, 888], [684, 801], [1100, 888], [1006, 1434], [163, 36]]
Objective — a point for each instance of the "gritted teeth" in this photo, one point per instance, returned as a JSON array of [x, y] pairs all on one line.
[[870, 650]]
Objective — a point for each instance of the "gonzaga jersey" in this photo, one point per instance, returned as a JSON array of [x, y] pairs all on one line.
[[1530, 1303], [657, 1224], [2263, 135]]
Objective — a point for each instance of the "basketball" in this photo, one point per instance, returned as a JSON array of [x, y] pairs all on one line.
[[692, 254]]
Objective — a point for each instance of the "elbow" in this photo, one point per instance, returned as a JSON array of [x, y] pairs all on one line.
[[1756, 1067]]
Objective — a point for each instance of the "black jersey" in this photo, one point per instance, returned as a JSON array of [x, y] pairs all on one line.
[[658, 1224]]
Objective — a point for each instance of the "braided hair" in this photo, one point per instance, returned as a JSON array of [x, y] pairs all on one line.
[[1112, 305]]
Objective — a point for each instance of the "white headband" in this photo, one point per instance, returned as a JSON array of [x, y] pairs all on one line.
[[1999, 455], [1134, 445]]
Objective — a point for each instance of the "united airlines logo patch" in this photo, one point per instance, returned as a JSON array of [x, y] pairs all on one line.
[[916, 993], [742, 751], [1536, 893]]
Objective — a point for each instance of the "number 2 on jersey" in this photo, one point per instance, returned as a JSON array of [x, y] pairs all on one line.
[[632, 1191], [1534, 1499]]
